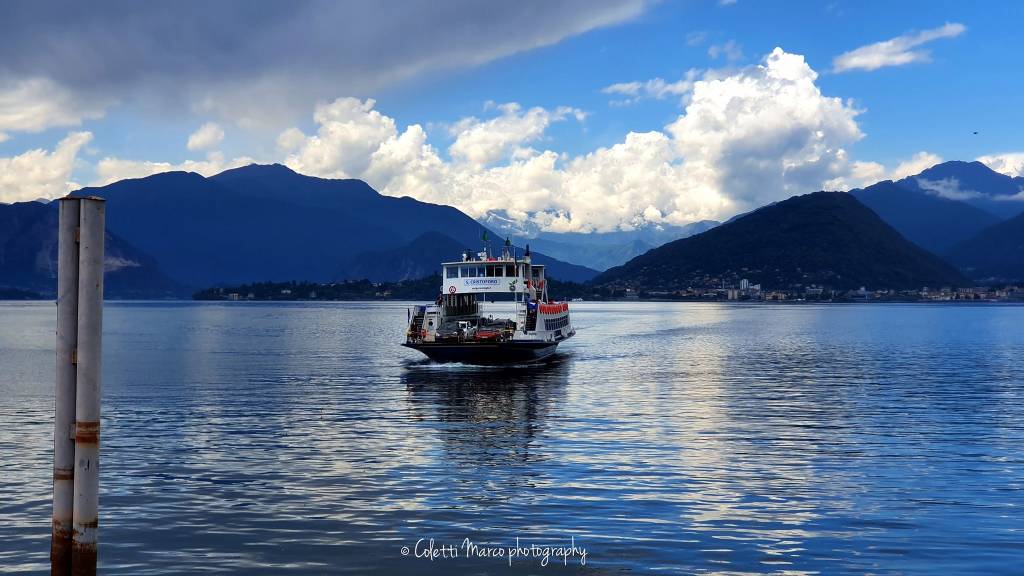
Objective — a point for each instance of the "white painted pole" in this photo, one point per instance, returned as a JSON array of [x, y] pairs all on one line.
[[64, 407], [87, 398]]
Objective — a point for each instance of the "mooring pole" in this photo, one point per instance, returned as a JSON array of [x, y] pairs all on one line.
[[87, 392], [64, 410]]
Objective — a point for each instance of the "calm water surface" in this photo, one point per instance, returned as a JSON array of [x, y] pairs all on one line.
[[680, 438]]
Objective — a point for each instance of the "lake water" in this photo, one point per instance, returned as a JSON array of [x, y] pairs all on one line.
[[300, 438]]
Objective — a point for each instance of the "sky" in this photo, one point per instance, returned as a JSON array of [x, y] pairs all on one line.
[[575, 115]]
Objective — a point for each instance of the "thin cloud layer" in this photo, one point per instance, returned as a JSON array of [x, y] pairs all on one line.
[[897, 51], [657, 88], [35, 104], [109, 170]]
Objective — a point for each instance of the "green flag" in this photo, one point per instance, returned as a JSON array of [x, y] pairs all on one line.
[[485, 235]]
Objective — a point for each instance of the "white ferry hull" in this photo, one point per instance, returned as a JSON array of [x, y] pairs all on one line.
[[491, 353]]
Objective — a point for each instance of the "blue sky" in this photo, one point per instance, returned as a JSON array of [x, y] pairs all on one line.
[[450, 72]]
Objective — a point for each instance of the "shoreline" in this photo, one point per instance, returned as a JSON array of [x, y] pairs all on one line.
[[607, 301]]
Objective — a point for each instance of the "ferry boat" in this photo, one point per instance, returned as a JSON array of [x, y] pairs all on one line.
[[455, 329]]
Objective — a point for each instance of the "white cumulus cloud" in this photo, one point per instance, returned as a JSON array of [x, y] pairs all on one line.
[[485, 142], [915, 165], [40, 173], [744, 138], [896, 51], [765, 132], [350, 131], [208, 136], [1010, 163]]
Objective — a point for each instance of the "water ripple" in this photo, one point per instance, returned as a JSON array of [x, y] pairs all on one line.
[[253, 438]]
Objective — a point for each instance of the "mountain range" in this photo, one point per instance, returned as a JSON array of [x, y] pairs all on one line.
[[973, 183], [171, 233], [28, 256], [823, 238], [965, 212], [270, 223], [175, 232]]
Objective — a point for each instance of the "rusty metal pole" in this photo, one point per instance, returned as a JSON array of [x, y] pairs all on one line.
[[64, 406], [87, 397]]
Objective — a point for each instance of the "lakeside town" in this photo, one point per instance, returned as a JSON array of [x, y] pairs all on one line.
[[753, 292], [424, 289]]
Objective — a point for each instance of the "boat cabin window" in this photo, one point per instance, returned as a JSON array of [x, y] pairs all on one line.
[[493, 270], [452, 272], [536, 271], [469, 271], [480, 271], [510, 270]]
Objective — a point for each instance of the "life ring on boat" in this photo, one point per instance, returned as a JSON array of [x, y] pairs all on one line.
[[451, 289]]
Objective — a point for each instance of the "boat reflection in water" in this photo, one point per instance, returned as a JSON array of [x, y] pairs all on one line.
[[487, 416]]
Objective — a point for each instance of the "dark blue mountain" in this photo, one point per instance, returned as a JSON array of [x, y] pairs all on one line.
[[270, 223], [824, 238], [28, 257], [995, 255], [417, 259], [932, 222], [973, 183], [602, 250]]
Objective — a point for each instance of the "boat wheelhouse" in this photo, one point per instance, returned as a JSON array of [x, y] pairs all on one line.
[[455, 329]]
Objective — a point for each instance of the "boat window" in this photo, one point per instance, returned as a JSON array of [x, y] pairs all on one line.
[[510, 270], [480, 271], [490, 271], [498, 269], [453, 271], [472, 271]]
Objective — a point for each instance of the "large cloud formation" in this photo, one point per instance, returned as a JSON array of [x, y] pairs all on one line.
[[239, 59], [41, 174], [744, 139]]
